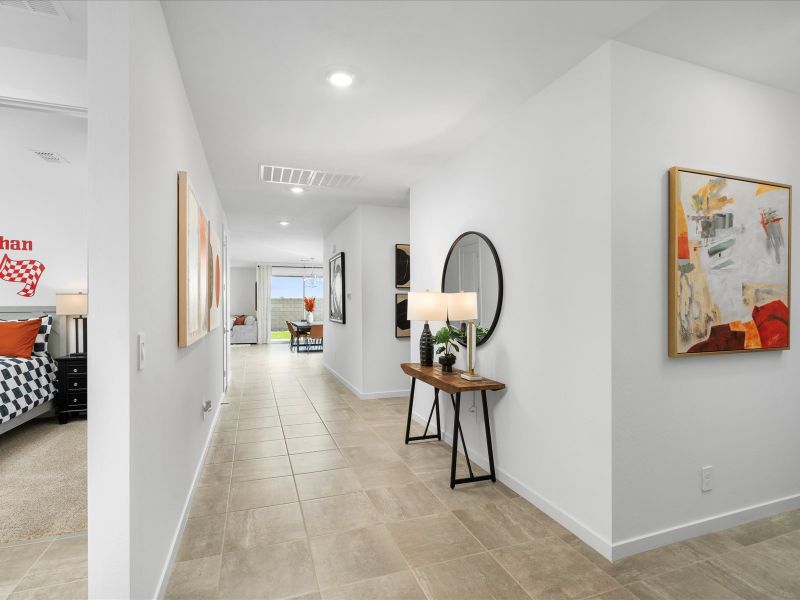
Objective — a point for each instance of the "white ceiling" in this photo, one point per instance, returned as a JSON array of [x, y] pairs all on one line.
[[43, 33]]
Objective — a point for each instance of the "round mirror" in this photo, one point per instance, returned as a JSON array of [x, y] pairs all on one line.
[[472, 265]]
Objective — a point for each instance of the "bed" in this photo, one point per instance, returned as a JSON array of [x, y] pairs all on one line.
[[245, 334], [27, 386]]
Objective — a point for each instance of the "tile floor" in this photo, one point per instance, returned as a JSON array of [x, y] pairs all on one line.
[[309, 492], [44, 569]]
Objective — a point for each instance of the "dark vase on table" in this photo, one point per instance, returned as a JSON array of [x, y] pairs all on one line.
[[447, 361]]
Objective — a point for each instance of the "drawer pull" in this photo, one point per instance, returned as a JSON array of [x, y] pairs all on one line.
[[75, 370], [75, 384]]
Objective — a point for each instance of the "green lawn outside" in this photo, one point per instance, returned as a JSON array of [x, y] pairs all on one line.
[[280, 335]]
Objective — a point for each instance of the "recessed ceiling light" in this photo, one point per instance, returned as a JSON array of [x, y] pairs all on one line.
[[297, 189], [341, 79], [284, 223]]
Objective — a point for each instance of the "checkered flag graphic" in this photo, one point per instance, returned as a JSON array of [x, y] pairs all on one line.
[[22, 271]]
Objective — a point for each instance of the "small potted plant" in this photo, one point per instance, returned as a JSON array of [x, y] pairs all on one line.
[[309, 304], [445, 339]]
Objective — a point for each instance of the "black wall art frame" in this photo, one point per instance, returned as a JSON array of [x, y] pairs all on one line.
[[336, 289], [402, 266], [402, 326]]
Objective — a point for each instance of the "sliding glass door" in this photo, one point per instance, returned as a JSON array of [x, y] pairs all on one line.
[[286, 300]]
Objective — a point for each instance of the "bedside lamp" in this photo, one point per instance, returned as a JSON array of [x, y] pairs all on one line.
[[463, 306], [77, 306], [426, 306]]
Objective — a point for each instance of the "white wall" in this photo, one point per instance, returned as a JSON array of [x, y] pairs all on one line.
[[539, 187], [344, 350], [365, 352], [147, 129], [243, 291], [42, 78], [45, 203], [738, 413]]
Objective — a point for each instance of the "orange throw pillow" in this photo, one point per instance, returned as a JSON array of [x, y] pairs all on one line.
[[17, 338], [239, 320]]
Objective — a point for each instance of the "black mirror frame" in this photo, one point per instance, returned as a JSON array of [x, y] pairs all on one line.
[[499, 280]]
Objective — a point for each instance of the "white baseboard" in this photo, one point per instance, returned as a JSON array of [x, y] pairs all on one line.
[[173, 550], [711, 524], [368, 395], [592, 538]]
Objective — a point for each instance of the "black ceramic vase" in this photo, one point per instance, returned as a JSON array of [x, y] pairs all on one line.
[[447, 361]]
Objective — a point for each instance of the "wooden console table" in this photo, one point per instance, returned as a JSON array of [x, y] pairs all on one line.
[[453, 384]]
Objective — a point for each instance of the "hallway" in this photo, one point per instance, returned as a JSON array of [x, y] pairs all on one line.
[[308, 488]]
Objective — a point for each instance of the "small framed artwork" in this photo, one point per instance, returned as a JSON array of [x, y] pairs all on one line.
[[336, 289], [192, 265], [215, 279], [729, 263], [402, 326], [402, 266]]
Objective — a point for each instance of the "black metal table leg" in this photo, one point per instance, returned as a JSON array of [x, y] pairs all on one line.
[[488, 435], [456, 428], [425, 435]]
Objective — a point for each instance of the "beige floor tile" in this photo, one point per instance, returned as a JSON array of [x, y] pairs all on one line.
[[433, 539], [215, 474], [339, 513], [407, 501], [262, 492], [378, 476], [223, 437], [219, 454], [475, 577], [493, 527], [347, 426], [370, 553], [350, 439], [310, 462], [549, 569], [378, 455], [194, 579], [616, 594], [530, 519], [263, 526], [467, 495], [764, 529], [257, 404], [297, 399], [300, 419], [305, 430], [289, 573], [260, 450], [297, 409], [227, 425], [259, 422], [264, 434], [202, 537], [15, 561], [326, 483], [64, 561], [314, 443], [688, 582], [397, 586], [210, 500], [254, 413], [75, 590], [261, 468]]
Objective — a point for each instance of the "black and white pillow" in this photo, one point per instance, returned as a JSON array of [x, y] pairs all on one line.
[[40, 345]]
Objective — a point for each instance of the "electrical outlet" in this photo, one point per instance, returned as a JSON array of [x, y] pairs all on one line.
[[206, 408], [707, 478]]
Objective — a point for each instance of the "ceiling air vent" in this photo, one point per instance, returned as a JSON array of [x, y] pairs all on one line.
[[47, 8], [50, 157], [307, 177]]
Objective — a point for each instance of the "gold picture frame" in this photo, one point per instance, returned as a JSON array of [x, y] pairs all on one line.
[[729, 264], [193, 263]]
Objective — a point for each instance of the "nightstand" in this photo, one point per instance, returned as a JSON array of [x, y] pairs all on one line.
[[71, 396]]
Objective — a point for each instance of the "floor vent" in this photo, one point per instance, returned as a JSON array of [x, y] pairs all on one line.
[[51, 157], [306, 177], [46, 8]]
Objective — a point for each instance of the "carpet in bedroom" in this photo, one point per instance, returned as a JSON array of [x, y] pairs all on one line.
[[42, 480]]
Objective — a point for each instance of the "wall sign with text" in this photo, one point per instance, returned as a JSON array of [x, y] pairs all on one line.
[[23, 270]]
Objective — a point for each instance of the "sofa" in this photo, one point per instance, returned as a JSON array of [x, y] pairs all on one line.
[[245, 333]]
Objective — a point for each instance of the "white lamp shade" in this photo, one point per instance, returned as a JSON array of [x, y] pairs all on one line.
[[72, 304], [427, 306], [462, 306]]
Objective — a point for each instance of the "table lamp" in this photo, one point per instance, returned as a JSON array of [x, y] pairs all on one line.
[[77, 306], [463, 306], [426, 306]]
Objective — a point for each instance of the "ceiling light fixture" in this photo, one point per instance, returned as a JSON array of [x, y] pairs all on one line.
[[297, 189], [341, 79], [284, 223]]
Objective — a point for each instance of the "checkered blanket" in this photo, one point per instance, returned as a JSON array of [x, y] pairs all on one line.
[[25, 384]]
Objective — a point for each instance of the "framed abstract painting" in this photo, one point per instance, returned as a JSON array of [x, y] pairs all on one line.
[[336, 289], [192, 265], [214, 279], [402, 326], [402, 266], [729, 263]]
